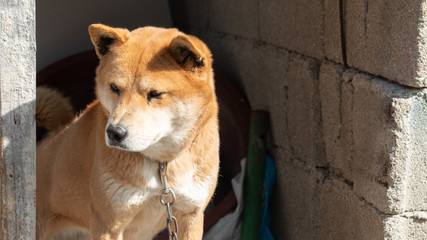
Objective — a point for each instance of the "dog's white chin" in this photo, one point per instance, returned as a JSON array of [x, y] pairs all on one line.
[[155, 151], [126, 146]]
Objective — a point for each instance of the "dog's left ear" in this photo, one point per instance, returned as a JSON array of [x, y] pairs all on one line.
[[186, 54], [104, 38]]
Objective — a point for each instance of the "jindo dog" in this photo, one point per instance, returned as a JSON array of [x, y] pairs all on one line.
[[98, 178]]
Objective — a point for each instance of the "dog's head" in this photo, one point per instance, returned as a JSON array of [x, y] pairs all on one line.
[[156, 86]]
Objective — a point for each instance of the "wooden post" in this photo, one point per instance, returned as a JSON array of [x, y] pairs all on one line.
[[17, 124]]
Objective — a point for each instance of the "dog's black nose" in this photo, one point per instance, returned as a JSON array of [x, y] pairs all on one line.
[[116, 133]]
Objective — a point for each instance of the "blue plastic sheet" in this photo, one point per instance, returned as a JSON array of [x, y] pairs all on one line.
[[269, 180]]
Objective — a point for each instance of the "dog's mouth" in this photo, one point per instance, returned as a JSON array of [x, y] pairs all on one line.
[[116, 145]]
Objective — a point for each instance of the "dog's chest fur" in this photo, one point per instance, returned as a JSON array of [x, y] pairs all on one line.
[[190, 194]]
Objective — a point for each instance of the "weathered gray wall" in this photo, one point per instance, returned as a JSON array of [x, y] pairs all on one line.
[[344, 82], [17, 125]]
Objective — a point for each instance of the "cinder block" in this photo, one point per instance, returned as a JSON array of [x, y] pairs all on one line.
[[343, 215], [330, 88], [237, 17], [372, 138], [309, 206], [296, 25], [411, 225], [301, 88], [295, 201], [336, 94], [390, 137], [387, 38], [285, 84], [259, 71], [408, 191], [375, 137], [267, 89], [240, 59], [332, 31]]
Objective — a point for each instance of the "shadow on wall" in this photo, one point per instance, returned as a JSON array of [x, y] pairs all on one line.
[[62, 25]]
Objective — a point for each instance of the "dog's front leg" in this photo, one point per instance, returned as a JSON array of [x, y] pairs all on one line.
[[190, 226], [104, 230]]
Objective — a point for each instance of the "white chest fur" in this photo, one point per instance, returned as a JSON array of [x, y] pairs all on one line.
[[124, 196], [190, 194]]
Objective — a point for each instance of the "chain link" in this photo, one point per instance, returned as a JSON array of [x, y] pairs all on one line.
[[167, 198]]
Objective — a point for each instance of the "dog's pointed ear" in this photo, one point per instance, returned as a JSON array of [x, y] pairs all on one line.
[[104, 38], [186, 53]]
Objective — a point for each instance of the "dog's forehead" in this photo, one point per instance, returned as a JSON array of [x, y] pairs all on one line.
[[145, 49], [151, 38]]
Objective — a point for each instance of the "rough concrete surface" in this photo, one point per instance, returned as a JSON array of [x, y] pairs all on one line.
[[291, 94], [238, 17], [375, 134], [251, 63], [296, 25], [17, 97], [372, 139], [409, 166], [295, 217], [343, 215], [347, 142], [321, 206], [412, 225], [330, 85], [332, 31], [387, 38], [390, 135]]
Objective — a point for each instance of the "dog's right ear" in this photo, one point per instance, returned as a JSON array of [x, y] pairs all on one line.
[[186, 54], [104, 38]]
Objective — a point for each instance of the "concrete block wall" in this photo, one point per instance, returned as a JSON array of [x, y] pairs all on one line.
[[344, 82]]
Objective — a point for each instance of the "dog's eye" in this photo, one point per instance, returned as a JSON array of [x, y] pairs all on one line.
[[154, 94], [114, 89]]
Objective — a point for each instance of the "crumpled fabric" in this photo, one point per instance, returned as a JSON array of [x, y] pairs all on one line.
[[229, 227]]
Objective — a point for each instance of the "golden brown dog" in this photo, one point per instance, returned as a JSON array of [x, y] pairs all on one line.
[[99, 177]]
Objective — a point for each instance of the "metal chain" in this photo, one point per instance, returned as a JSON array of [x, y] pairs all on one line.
[[167, 197]]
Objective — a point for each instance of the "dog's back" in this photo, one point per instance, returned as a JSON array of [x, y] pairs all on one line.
[[63, 172]]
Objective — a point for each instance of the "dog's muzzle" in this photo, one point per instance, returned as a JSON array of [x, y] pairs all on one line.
[[116, 134]]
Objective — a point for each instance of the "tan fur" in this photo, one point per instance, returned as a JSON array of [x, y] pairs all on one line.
[[86, 182], [53, 110]]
